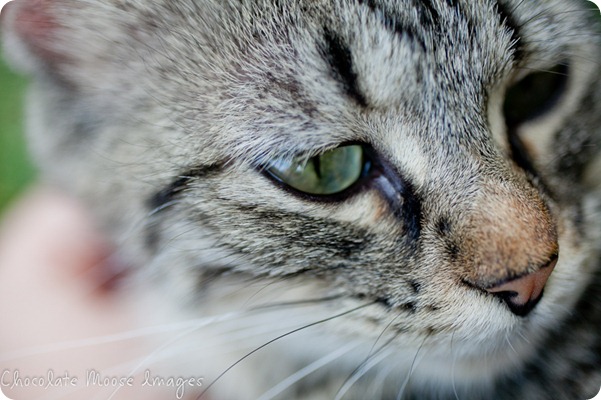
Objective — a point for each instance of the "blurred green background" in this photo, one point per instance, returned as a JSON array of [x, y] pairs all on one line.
[[16, 170]]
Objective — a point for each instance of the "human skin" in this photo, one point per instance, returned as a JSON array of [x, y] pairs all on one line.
[[61, 309]]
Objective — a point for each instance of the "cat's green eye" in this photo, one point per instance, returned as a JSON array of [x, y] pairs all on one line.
[[326, 174], [534, 95]]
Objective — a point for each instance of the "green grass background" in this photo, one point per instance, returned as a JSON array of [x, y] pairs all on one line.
[[16, 171]]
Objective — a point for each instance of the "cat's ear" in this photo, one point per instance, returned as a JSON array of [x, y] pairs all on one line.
[[66, 39], [30, 31]]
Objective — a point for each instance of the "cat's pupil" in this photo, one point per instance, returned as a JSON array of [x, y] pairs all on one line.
[[535, 95]]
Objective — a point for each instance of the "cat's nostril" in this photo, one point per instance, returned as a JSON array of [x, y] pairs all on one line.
[[523, 294]]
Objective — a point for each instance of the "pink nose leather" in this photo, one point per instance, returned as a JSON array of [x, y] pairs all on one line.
[[522, 294]]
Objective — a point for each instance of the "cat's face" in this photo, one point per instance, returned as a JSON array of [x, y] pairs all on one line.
[[463, 137]]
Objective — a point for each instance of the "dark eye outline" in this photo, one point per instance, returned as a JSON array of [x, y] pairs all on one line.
[[535, 95], [379, 174], [359, 185]]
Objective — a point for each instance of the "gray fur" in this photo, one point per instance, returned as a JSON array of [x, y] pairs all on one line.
[[162, 115]]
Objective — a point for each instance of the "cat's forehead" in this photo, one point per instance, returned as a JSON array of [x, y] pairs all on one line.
[[404, 55], [316, 74], [262, 79]]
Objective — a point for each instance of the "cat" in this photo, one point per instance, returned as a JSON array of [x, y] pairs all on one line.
[[361, 199]]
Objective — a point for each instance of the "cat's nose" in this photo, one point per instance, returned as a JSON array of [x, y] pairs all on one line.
[[523, 294]]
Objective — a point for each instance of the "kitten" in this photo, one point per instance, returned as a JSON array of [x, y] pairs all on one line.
[[362, 198]]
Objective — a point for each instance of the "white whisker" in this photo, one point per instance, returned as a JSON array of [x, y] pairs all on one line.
[[296, 377], [411, 369], [150, 356], [119, 337], [361, 372], [453, 362]]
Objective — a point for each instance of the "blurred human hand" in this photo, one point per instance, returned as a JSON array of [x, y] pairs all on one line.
[[59, 311]]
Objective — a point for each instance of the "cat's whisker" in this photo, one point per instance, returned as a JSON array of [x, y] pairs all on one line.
[[304, 302], [379, 380], [510, 345], [150, 356], [304, 327], [163, 207], [132, 334], [542, 70], [260, 291], [411, 369], [453, 364], [371, 355], [237, 333], [516, 7], [572, 66], [524, 338], [392, 321], [242, 329], [377, 359], [309, 369], [119, 370], [575, 35], [544, 14]]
